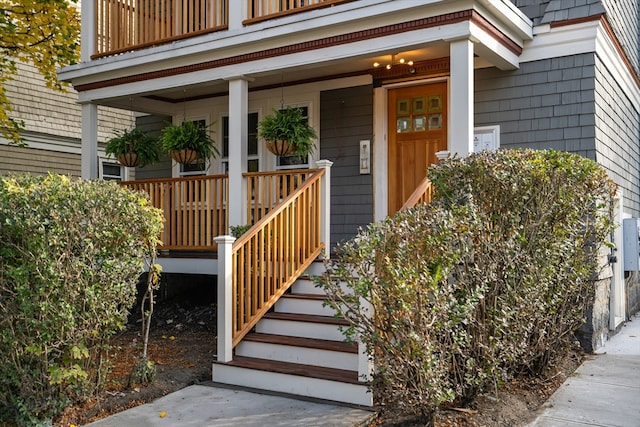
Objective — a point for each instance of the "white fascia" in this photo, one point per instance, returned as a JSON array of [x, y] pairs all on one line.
[[507, 13], [318, 57], [561, 41], [47, 142], [608, 54], [489, 48]]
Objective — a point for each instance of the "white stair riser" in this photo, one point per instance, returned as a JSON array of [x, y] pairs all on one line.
[[307, 286], [301, 355], [301, 386], [315, 269], [303, 306], [299, 329]]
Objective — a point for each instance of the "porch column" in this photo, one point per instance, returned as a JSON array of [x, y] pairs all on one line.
[[238, 109], [325, 214], [461, 101], [89, 147]]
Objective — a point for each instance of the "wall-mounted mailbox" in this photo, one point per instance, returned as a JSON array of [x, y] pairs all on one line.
[[631, 243]]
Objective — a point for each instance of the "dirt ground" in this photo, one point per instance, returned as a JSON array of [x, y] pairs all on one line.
[[183, 346]]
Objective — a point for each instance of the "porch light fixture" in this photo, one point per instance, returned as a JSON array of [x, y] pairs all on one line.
[[393, 62]]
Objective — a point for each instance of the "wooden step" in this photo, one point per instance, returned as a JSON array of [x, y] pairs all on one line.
[[329, 345], [308, 318], [309, 371]]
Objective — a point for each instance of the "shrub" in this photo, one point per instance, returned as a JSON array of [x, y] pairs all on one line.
[[71, 254], [490, 279]]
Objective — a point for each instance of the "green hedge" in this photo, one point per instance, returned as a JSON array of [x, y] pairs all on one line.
[[490, 279], [71, 254]]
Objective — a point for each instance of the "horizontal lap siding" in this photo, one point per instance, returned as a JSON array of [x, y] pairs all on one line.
[[346, 118], [39, 162], [153, 126]]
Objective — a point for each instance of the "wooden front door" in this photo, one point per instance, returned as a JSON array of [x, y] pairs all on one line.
[[417, 130]]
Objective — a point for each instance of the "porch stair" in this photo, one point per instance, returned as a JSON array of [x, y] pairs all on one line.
[[297, 349]]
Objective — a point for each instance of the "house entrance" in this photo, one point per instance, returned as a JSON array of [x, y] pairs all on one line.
[[417, 131]]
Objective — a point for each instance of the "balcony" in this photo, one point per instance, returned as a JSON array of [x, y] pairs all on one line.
[[125, 25]]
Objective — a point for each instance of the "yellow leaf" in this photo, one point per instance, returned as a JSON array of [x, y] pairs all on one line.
[[163, 414], [172, 338]]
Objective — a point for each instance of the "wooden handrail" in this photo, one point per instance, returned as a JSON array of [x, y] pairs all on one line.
[[268, 258], [422, 194]]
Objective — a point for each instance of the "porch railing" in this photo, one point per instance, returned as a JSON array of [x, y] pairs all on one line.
[[422, 194], [123, 25], [195, 208], [268, 258]]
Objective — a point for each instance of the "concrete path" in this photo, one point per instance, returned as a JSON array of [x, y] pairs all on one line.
[[208, 406], [604, 390]]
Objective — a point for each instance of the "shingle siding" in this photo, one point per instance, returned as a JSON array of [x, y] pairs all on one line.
[[345, 120], [51, 112], [617, 135], [544, 104], [623, 18]]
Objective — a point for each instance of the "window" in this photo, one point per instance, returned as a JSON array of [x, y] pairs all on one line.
[[112, 171], [253, 160], [199, 167], [294, 161]]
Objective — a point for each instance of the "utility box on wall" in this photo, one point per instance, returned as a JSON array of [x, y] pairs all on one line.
[[631, 243]]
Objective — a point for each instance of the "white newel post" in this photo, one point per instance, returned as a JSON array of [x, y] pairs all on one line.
[[225, 309], [325, 216]]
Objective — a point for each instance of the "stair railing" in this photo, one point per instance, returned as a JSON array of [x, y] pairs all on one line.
[[422, 194], [257, 269]]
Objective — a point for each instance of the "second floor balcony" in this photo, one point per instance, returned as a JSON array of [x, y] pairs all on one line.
[[125, 25]]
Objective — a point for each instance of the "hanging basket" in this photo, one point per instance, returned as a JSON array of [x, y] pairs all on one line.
[[280, 147], [130, 160], [185, 156]]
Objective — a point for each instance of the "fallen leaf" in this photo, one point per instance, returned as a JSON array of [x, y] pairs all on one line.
[[162, 414]]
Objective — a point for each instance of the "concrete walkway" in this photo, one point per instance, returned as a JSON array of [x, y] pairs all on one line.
[[604, 390], [208, 406]]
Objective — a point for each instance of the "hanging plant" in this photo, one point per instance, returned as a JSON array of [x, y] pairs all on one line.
[[188, 142], [287, 132], [133, 147]]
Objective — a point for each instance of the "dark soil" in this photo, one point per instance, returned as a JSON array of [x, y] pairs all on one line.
[[182, 345]]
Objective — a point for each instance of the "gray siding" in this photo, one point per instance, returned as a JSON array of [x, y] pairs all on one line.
[[617, 136], [153, 125], [534, 9], [346, 117], [623, 17], [545, 104]]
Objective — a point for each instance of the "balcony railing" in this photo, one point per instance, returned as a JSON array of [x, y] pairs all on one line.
[[124, 25]]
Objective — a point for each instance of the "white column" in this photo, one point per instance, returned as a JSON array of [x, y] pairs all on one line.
[[325, 214], [238, 109], [87, 30], [89, 150], [461, 99], [225, 309]]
